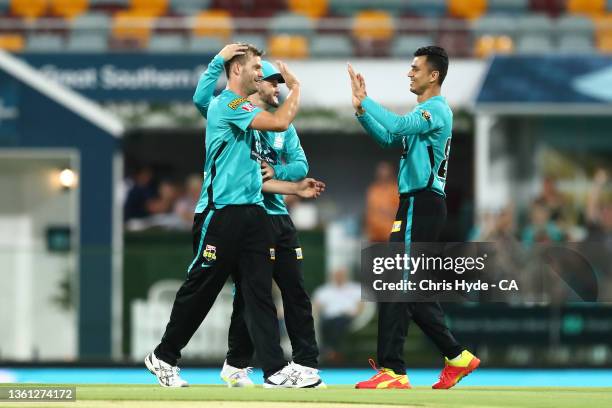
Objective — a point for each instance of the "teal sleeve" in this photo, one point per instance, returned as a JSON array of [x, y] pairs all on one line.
[[206, 85], [381, 135], [296, 166], [416, 122]]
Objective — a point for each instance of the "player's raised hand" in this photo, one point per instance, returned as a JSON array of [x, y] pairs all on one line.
[[357, 84], [290, 79], [310, 188], [267, 171], [231, 50]]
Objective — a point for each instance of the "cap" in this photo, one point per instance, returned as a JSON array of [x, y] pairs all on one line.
[[271, 72]]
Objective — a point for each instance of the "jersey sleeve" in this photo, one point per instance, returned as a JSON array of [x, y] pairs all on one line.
[[419, 121], [240, 112], [296, 166], [206, 85], [381, 135]]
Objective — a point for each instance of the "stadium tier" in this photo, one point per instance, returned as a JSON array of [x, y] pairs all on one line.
[[302, 29]]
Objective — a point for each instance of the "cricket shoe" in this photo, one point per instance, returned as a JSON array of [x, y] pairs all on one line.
[[310, 372], [292, 376], [167, 375], [236, 377], [454, 371], [385, 378]]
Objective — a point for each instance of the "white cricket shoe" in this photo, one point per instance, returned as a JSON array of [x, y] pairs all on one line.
[[236, 377], [310, 373], [167, 375], [292, 376]]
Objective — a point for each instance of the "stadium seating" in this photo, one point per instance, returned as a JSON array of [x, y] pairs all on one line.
[[189, 7], [604, 33], [84, 42], [373, 25], [255, 39], [203, 45], [489, 44], [68, 8], [588, 7], [331, 46], [132, 29], [12, 42], [467, 8], [213, 23], [572, 44], [45, 43], [426, 8], [513, 7], [495, 25], [288, 46], [292, 24], [154, 8], [310, 8], [29, 9], [534, 44], [404, 46], [167, 43]]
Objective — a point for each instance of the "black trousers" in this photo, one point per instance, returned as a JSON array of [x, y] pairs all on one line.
[[296, 302], [234, 240], [422, 217]]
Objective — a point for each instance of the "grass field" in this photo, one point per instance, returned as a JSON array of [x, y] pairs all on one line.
[[133, 396]]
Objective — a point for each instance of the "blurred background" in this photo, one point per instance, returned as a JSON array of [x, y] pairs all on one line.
[[101, 155]]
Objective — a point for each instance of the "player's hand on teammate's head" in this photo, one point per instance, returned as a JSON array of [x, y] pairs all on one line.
[[290, 79], [231, 50], [310, 188], [267, 171]]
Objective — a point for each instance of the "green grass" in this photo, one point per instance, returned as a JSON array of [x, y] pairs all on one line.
[[425, 397]]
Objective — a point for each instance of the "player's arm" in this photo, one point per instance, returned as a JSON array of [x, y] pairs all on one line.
[[416, 122], [280, 120], [295, 166], [306, 188], [381, 135], [208, 80]]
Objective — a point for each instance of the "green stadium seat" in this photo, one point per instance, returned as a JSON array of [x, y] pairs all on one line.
[[189, 7], [210, 45], [350, 7], [88, 42], [293, 24], [495, 25], [167, 43], [535, 23], [404, 46], [257, 40], [573, 44], [534, 44], [573, 24], [508, 6], [426, 8], [331, 46], [45, 43], [91, 23]]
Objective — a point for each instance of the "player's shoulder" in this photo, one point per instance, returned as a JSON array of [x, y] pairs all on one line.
[[230, 102], [436, 108]]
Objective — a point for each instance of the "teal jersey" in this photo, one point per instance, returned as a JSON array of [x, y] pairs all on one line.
[[283, 151], [232, 174], [425, 135]]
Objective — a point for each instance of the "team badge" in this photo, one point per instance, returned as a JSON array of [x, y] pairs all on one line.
[[248, 107], [397, 226], [272, 254], [426, 115], [298, 253], [237, 102], [210, 253]]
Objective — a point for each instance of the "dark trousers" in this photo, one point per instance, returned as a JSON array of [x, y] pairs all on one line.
[[422, 217], [296, 302], [234, 240]]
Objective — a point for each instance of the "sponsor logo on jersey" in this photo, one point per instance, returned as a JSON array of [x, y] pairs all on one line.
[[272, 254], [237, 102], [426, 115], [210, 253], [278, 141], [298, 253], [249, 107], [397, 226]]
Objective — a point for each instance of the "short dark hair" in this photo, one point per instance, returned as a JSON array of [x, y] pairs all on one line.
[[242, 59], [437, 59]]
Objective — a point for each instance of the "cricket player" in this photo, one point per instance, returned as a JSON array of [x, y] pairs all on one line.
[[283, 159], [231, 229], [425, 136]]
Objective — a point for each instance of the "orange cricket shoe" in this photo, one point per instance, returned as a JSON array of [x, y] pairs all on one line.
[[384, 378], [453, 372]]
